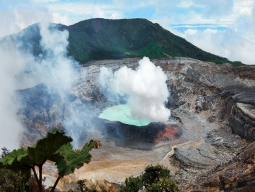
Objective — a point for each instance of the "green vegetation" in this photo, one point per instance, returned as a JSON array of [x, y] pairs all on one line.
[[132, 184], [154, 179], [97, 39], [237, 63], [14, 181], [163, 185], [56, 147]]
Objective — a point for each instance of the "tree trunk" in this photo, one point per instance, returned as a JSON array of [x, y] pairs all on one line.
[[36, 177], [40, 179], [55, 184]]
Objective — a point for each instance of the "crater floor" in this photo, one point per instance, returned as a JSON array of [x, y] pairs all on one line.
[[213, 105]]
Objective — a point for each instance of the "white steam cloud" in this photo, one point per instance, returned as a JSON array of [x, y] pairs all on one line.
[[22, 70], [12, 62], [55, 68], [146, 89]]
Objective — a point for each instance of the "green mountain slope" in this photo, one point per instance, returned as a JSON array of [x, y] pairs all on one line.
[[113, 39], [97, 39]]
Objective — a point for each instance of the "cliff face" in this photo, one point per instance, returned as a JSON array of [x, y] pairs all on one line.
[[235, 175], [221, 99], [227, 92], [242, 120], [212, 106]]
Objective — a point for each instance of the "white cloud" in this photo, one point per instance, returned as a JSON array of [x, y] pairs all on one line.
[[16, 20], [105, 12], [116, 15], [230, 43], [243, 7], [185, 4], [237, 42], [61, 18], [18, 15], [98, 12]]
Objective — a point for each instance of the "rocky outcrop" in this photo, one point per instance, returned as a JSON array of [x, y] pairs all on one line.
[[242, 120], [223, 96], [236, 175], [221, 89]]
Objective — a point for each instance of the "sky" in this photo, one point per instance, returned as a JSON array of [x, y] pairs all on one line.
[[222, 27]]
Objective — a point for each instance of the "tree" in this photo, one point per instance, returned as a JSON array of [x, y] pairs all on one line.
[[56, 146]]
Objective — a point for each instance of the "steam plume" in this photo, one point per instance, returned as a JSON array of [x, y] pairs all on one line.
[[54, 69], [146, 88], [12, 62]]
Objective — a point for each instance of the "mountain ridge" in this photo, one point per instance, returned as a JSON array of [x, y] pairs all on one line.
[[99, 39]]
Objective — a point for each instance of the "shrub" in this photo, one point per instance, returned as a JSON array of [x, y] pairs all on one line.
[[15, 181], [164, 185], [132, 184], [154, 173], [154, 179]]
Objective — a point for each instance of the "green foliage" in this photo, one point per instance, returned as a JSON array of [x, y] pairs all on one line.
[[14, 180], [154, 179], [74, 159], [17, 160], [46, 148], [154, 173], [43, 150], [163, 185], [237, 63], [56, 147], [132, 184]]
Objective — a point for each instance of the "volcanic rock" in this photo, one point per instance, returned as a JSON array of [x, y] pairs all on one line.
[[213, 106], [235, 175]]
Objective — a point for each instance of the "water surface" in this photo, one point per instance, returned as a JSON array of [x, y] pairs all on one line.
[[122, 113]]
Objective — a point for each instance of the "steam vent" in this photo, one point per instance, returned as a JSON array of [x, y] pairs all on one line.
[[118, 122]]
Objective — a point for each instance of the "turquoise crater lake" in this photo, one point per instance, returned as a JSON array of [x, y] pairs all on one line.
[[122, 113]]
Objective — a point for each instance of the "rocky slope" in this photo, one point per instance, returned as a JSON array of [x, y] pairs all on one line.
[[220, 98], [234, 175], [212, 105]]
